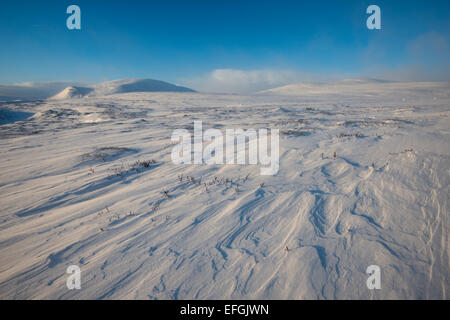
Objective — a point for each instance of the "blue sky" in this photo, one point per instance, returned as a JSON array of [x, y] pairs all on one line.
[[197, 42]]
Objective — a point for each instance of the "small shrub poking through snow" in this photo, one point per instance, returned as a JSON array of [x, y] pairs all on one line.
[[144, 164], [344, 135], [105, 153]]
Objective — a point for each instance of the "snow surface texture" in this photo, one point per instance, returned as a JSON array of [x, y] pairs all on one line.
[[90, 182]]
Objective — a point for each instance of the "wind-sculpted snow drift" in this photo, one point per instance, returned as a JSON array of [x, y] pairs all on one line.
[[363, 180]]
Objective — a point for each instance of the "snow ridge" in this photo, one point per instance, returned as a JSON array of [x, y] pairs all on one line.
[[119, 86]]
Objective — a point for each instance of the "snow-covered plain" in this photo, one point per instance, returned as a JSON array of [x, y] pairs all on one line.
[[73, 192]]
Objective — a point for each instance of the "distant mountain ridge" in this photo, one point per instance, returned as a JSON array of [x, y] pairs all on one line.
[[119, 86], [361, 87], [72, 92]]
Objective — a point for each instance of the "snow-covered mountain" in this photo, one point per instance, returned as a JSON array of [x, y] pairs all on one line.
[[137, 85], [72, 92], [364, 88], [33, 90], [119, 86]]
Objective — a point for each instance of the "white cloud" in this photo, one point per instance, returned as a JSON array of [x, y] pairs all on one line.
[[241, 81]]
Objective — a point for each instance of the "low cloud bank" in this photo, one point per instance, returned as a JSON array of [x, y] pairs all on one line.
[[241, 81]]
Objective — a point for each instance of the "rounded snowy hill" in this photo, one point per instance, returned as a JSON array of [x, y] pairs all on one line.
[[364, 88], [119, 86], [137, 85], [72, 92]]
